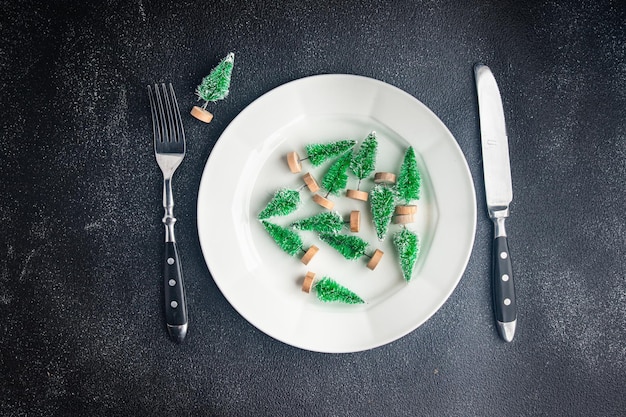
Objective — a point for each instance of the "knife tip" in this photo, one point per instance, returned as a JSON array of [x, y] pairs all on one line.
[[507, 330], [478, 66], [178, 332]]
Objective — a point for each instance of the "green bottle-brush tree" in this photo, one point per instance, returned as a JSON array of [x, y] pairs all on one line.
[[326, 222], [336, 178], [382, 203], [328, 290], [349, 246], [407, 245], [364, 161], [214, 87], [409, 180], [288, 240], [284, 201], [318, 153]]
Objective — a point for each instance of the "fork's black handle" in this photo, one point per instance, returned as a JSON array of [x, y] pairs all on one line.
[[175, 301]]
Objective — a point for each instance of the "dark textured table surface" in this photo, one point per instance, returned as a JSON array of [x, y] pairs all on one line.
[[81, 324]]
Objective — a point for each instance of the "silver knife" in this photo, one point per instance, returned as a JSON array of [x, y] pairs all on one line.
[[499, 191]]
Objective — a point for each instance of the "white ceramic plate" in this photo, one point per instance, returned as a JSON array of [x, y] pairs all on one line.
[[263, 283]]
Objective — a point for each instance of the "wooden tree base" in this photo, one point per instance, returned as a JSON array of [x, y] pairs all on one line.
[[201, 114], [376, 257], [307, 285], [311, 182], [355, 221], [324, 202], [309, 254], [293, 160], [385, 178], [357, 195], [406, 209], [404, 219]]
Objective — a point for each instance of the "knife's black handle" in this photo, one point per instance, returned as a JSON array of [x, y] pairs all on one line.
[[503, 287], [175, 301]]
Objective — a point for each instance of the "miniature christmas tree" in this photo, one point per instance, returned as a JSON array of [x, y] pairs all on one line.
[[335, 180], [321, 152], [350, 247], [407, 244], [214, 87], [382, 201], [408, 187], [328, 290], [318, 153], [289, 241], [327, 222], [362, 165], [285, 201]]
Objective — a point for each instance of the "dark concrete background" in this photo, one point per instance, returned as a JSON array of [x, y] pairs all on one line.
[[81, 326]]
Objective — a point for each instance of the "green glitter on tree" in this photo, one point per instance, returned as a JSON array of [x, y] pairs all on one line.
[[382, 203], [215, 85], [287, 239], [336, 178], [319, 153], [349, 246], [328, 290], [327, 222], [363, 162], [407, 244], [409, 180], [285, 201]]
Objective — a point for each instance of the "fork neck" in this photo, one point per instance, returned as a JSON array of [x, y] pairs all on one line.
[[168, 204]]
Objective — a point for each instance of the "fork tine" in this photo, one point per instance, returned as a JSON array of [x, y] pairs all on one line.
[[155, 117], [178, 122], [162, 123], [167, 117], [169, 134]]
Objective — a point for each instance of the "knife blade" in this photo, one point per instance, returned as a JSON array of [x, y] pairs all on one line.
[[499, 195]]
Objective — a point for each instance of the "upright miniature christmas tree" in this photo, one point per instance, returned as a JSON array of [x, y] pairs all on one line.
[[407, 244], [382, 202], [214, 87], [318, 153], [289, 241], [284, 201], [408, 187], [326, 222], [335, 180], [328, 290], [362, 165]]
